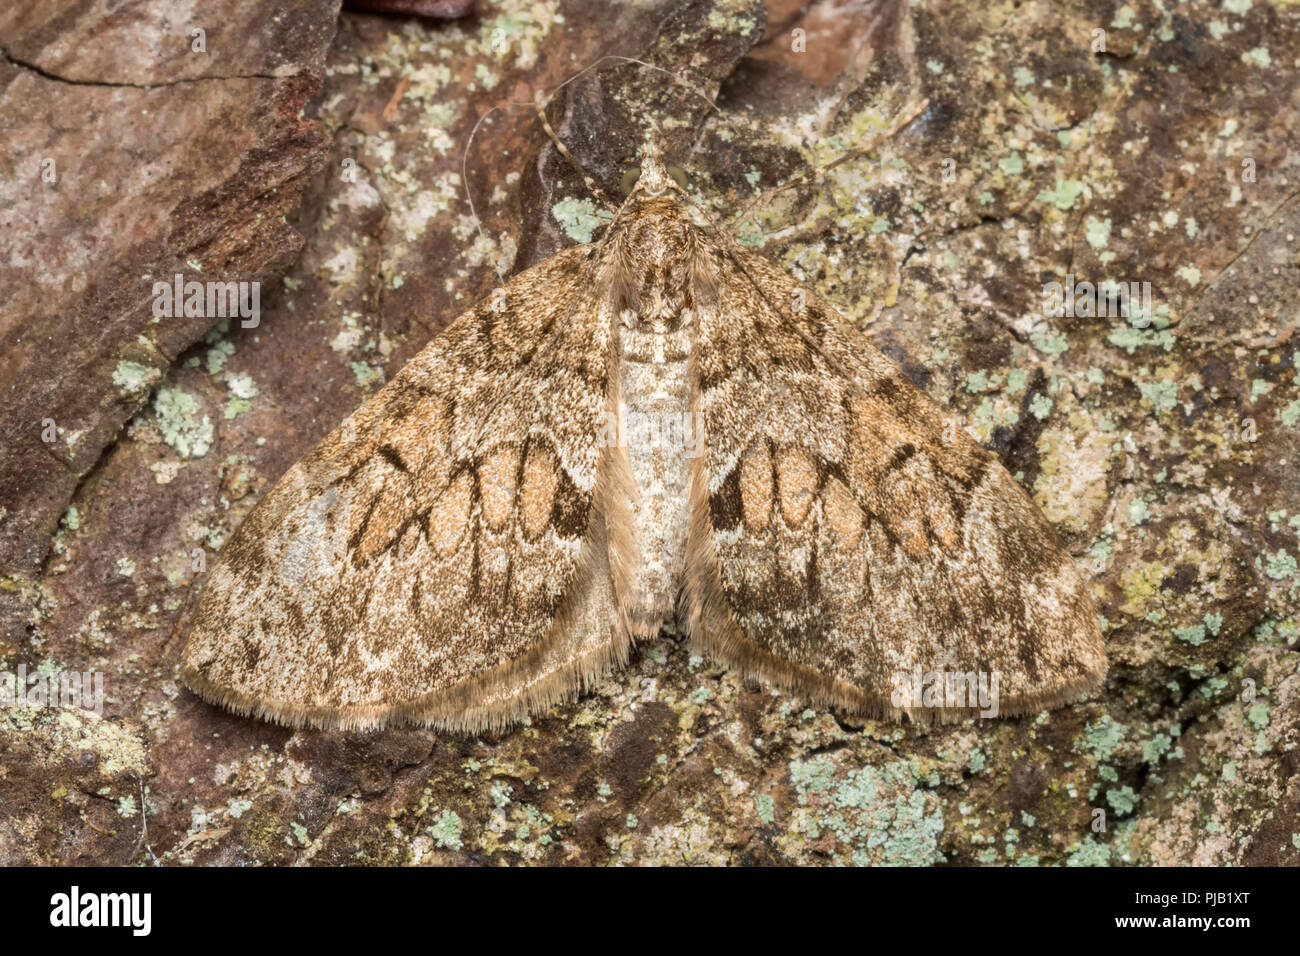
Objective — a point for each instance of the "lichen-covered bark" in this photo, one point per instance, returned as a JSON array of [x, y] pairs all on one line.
[[1163, 447]]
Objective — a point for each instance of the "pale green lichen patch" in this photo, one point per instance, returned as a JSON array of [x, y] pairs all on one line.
[[1258, 715], [1101, 738], [365, 373], [242, 390], [1138, 511], [579, 218], [218, 354], [1161, 395], [1156, 747], [180, 424], [1131, 339], [1259, 57], [1097, 232], [133, 378], [868, 815], [1280, 565], [446, 830], [1089, 853], [1049, 342], [1064, 194], [1123, 801]]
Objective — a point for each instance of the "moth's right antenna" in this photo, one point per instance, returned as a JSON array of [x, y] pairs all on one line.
[[898, 125]]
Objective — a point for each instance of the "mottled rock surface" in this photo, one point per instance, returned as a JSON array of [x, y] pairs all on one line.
[[134, 151], [1163, 446]]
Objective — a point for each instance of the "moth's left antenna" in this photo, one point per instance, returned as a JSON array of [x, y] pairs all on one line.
[[541, 104], [469, 193]]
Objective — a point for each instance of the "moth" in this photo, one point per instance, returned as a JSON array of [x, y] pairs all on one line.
[[658, 425]]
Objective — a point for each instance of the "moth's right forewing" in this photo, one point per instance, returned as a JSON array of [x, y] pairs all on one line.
[[846, 536], [441, 557]]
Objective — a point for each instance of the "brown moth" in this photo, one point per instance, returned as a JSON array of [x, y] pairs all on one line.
[[655, 423]]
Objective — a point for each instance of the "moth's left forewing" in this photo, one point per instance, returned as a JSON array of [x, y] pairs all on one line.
[[850, 542], [443, 556]]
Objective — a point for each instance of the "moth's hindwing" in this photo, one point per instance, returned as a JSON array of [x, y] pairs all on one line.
[[847, 539], [440, 557]]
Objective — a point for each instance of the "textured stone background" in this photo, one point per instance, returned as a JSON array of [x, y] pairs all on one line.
[[1124, 165]]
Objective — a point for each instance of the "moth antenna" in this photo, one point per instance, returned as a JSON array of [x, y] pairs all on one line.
[[631, 59], [903, 121], [543, 102], [592, 187], [469, 194], [540, 105]]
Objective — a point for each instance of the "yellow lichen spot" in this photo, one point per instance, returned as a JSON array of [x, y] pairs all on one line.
[[1071, 490], [1141, 586]]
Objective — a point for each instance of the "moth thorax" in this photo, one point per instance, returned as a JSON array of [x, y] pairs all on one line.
[[660, 233], [657, 301], [658, 322]]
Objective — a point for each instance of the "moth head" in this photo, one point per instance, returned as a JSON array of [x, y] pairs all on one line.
[[653, 178]]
